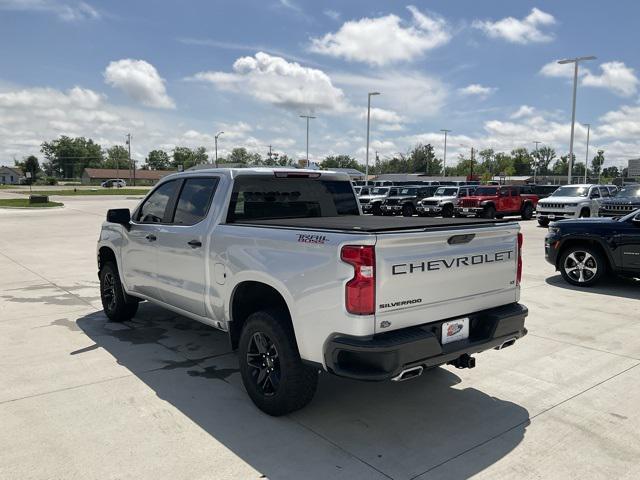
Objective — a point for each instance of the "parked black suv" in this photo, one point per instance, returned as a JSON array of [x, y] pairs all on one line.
[[585, 249], [625, 201], [406, 199]]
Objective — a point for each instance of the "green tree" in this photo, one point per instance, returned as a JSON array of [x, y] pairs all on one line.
[[561, 167], [422, 159], [68, 157], [30, 164], [284, 161], [611, 172], [340, 161], [239, 155], [158, 160], [504, 164], [117, 157], [596, 162], [544, 158], [521, 161], [487, 160], [188, 157]]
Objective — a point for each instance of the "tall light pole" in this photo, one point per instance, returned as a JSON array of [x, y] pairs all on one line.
[[216, 142], [366, 164], [444, 160], [307, 117], [586, 158], [535, 168], [134, 172], [575, 61]]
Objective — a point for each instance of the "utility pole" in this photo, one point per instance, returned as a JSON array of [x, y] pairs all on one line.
[[535, 167], [216, 142], [471, 168], [269, 154], [307, 117], [586, 158], [444, 160], [366, 164], [134, 172], [575, 61]]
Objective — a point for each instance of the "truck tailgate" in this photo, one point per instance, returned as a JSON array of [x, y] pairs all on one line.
[[434, 275]]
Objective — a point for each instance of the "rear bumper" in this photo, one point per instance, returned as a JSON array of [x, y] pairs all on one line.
[[385, 355]]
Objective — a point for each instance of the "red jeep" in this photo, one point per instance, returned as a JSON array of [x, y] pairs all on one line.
[[497, 201]]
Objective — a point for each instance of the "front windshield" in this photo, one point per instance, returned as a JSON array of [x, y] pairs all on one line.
[[408, 191], [571, 191], [486, 191], [380, 191], [446, 192], [628, 192], [394, 191], [364, 191]]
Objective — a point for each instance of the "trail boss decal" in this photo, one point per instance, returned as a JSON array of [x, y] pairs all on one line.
[[308, 238], [457, 262]]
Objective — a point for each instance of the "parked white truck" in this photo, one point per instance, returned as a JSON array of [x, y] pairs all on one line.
[[284, 261]]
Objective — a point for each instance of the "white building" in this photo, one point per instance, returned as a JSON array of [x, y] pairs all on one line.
[[634, 168], [10, 175]]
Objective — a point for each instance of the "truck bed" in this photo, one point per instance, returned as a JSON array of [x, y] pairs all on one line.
[[368, 223]]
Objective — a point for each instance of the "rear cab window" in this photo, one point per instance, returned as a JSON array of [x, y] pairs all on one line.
[[258, 197]]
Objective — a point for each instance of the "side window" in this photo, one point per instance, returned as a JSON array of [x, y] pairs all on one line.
[[194, 200], [154, 208], [595, 193], [604, 192], [515, 192]]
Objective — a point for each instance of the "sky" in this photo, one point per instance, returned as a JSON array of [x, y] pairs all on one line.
[[174, 73]]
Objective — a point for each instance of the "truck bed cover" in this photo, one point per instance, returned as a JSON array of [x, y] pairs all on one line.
[[369, 224]]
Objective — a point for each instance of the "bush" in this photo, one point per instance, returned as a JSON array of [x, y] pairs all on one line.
[[50, 181]]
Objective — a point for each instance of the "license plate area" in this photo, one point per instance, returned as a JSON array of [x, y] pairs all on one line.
[[455, 330]]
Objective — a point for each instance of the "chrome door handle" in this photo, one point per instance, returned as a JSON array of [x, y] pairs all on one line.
[[194, 243]]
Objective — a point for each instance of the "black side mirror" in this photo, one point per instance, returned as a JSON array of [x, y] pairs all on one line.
[[119, 215]]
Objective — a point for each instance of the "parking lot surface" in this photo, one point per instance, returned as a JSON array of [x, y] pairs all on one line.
[[161, 397]]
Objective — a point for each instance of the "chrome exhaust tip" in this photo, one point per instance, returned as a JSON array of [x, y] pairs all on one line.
[[408, 374], [506, 344]]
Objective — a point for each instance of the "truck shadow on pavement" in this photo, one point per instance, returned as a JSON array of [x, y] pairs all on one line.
[[612, 285], [431, 425]]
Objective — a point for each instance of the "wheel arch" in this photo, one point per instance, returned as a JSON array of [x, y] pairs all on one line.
[[106, 254], [591, 242], [250, 296]]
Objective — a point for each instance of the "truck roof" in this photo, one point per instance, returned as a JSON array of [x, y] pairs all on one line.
[[235, 172]]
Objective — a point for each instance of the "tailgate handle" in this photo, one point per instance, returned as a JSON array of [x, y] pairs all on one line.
[[459, 239]]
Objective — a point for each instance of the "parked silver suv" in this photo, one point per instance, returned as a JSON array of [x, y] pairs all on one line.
[[572, 201]]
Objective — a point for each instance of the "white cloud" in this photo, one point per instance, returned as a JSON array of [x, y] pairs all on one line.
[[44, 98], [383, 40], [412, 93], [69, 12], [524, 31], [278, 82], [332, 14], [558, 70], [616, 77], [523, 111], [623, 123], [382, 115], [139, 80], [475, 89]]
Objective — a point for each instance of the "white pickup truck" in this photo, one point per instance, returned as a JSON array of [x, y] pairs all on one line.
[[284, 261]]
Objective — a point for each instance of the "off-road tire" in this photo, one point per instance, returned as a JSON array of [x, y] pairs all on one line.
[[117, 305], [408, 210], [489, 212], [447, 211], [527, 212], [296, 382]]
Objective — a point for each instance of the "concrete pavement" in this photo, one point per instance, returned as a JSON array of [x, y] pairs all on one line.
[[161, 396]]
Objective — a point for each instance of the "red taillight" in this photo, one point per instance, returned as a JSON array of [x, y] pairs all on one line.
[[519, 274], [360, 291]]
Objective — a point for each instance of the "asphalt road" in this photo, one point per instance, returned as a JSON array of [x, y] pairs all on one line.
[[161, 397]]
